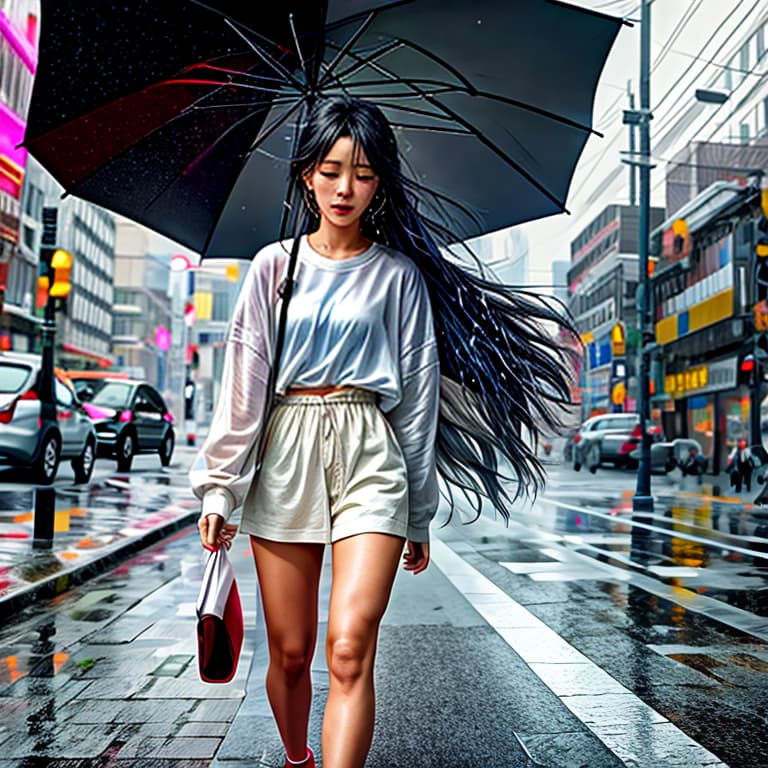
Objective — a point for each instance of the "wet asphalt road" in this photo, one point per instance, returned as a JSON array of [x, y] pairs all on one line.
[[545, 642]]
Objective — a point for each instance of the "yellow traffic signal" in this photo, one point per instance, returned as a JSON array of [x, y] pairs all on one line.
[[61, 264], [618, 341]]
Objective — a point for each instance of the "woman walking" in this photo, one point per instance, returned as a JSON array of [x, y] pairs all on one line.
[[363, 419]]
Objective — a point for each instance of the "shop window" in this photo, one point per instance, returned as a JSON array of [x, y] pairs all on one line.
[[701, 422]]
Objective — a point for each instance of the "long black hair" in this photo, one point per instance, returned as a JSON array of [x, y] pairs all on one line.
[[504, 376]]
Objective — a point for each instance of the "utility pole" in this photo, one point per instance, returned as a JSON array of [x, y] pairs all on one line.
[[632, 168], [642, 501]]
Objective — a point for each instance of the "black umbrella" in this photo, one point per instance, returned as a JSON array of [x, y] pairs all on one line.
[[182, 116]]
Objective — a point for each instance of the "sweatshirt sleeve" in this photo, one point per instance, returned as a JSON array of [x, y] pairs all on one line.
[[223, 469], [414, 419]]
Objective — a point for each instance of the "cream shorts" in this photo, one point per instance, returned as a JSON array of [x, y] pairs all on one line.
[[332, 468]]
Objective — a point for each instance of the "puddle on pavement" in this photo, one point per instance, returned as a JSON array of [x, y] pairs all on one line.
[[45, 531]]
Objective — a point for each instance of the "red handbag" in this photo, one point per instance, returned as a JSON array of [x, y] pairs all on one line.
[[219, 620]]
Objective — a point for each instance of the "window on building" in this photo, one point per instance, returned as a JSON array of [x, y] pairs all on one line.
[[728, 76], [760, 42], [744, 133]]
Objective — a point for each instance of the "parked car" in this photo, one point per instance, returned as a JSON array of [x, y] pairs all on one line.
[[31, 439], [611, 437], [131, 417], [87, 383]]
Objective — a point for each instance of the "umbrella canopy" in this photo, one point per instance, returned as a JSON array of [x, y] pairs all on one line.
[[183, 116]]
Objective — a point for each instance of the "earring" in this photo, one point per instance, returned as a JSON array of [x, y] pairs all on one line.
[[310, 200]]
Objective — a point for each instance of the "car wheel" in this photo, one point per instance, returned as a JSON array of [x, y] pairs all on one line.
[[47, 464], [166, 448], [83, 464], [593, 458], [126, 447]]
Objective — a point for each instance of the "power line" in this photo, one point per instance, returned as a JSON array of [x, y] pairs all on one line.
[[717, 30], [676, 32], [682, 23], [738, 70]]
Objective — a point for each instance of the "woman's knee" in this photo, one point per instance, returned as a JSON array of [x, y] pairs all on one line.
[[349, 657], [293, 661]]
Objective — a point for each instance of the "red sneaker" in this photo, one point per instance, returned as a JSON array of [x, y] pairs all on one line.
[[308, 763]]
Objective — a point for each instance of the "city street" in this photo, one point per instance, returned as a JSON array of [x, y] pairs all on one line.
[[541, 643]]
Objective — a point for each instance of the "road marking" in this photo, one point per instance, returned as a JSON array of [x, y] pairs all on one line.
[[635, 732]]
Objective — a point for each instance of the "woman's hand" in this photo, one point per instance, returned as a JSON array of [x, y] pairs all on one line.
[[214, 532], [416, 557]]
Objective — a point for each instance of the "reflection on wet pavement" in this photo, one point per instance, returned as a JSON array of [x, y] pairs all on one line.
[[49, 536], [709, 546]]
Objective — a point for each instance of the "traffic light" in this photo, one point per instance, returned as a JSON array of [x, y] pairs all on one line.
[[61, 267], [747, 365]]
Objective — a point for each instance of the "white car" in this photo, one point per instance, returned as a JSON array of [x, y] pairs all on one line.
[[32, 441]]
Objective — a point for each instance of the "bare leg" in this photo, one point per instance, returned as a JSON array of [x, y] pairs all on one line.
[[289, 575], [364, 568]]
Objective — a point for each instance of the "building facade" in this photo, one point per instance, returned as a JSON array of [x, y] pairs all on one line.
[[602, 289], [704, 292], [18, 62], [142, 307]]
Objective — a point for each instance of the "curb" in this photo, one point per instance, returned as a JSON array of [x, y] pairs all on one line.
[[67, 578]]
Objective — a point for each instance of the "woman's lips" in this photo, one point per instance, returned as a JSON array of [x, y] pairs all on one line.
[[342, 210]]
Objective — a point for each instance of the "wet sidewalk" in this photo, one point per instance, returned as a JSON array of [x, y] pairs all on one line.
[[105, 675], [51, 540]]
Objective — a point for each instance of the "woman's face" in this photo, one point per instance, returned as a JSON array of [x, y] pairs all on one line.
[[344, 184]]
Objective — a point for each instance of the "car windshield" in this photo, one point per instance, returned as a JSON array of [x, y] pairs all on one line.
[[114, 394], [13, 378], [88, 386]]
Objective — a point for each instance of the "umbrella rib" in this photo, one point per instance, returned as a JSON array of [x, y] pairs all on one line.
[[345, 48], [273, 103], [443, 87], [479, 136], [411, 110], [363, 62], [269, 60], [262, 137], [514, 102], [431, 129], [298, 47], [208, 149], [274, 125]]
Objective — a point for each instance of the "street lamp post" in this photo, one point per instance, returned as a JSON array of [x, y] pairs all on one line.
[[48, 328], [642, 501]]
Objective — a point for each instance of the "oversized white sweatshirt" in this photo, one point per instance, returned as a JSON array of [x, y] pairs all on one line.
[[362, 322]]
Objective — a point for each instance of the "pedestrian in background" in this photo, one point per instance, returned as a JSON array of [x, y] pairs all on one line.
[[740, 466], [694, 464], [363, 417]]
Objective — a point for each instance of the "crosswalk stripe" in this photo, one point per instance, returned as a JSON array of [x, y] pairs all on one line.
[[635, 732]]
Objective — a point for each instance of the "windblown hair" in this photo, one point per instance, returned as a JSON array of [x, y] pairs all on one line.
[[504, 377]]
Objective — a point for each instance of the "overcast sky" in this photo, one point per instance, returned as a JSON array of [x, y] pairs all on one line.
[[550, 238]]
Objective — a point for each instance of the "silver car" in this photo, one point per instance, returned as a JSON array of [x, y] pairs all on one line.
[[27, 439]]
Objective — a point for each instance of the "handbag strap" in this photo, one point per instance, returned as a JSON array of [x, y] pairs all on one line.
[[285, 291]]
